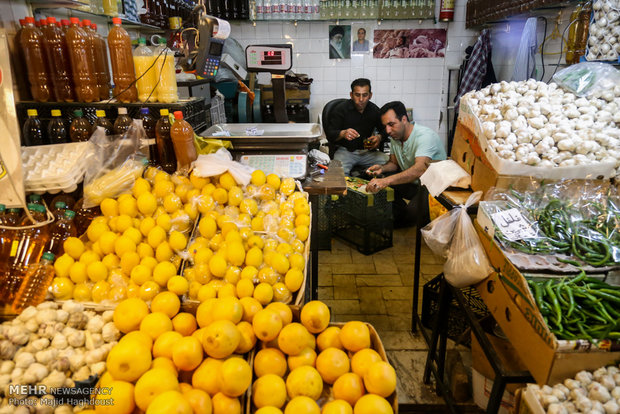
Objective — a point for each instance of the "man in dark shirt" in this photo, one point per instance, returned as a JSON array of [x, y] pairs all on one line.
[[355, 127]]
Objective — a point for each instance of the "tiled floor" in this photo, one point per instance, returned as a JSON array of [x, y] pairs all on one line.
[[379, 289]]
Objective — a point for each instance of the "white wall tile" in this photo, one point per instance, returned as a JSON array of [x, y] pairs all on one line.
[[396, 74]]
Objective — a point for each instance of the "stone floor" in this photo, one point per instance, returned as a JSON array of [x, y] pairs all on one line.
[[379, 289]]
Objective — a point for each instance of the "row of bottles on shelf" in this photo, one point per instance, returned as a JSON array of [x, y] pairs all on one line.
[[228, 9], [341, 9], [71, 63], [28, 245], [166, 14], [170, 145]]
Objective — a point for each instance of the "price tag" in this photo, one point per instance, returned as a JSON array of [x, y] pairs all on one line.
[[513, 225]]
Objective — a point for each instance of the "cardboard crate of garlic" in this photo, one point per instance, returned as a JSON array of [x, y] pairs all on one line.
[[531, 128]]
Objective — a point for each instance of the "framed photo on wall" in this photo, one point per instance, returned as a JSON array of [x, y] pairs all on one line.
[[339, 41], [409, 43], [360, 39]]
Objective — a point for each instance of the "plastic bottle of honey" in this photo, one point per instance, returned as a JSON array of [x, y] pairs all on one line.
[[33, 131], [166, 73], [57, 132], [571, 42], [103, 122], [80, 127], [143, 60], [90, 35], [31, 42], [102, 70], [58, 58], [182, 135], [123, 70], [165, 147], [148, 123], [122, 122], [81, 63], [60, 231], [36, 282]]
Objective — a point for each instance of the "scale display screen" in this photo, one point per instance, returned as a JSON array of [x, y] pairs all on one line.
[[268, 58]]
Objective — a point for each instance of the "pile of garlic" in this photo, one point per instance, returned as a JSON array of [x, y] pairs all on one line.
[[54, 346], [539, 124], [604, 31], [595, 392]]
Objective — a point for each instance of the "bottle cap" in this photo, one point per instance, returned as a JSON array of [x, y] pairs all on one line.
[[2, 208], [32, 112], [48, 256], [34, 197], [86, 22], [56, 112], [75, 20], [116, 20], [29, 20], [40, 208], [178, 115], [14, 210], [58, 24], [93, 26], [142, 41], [32, 206], [43, 22], [51, 20], [144, 110], [69, 214], [122, 111], [60, 205], [65, 22], [78, 113], [100, 113], [22, 22], [163, 112]]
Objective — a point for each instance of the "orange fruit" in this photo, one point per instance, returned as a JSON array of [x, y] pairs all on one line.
[[269, 390], [349, 387], [140, 337], [128, 360], [122, 393], [329, 338], [184, 323], [166, 302], [363, 359], [267, 324], [269, 361], [164, 363], [305, 381], [203, 313], [293, 338], [187, 353], [129, 314], [205, 376], [332, 363], [165, 343], [284, 310], [169, 402], [247, 340], [222, 404], [156, 323], [337, 407], [355, 336], [227, 308], [380, 379], [302, 405], [153, 383], [221, 338], [372, 404], [315, 316], [250, 307], [306, 357], [234, 377], [199, 401]]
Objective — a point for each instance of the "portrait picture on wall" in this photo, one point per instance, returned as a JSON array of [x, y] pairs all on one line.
[[409, 43], [360, 42], [340, 41]]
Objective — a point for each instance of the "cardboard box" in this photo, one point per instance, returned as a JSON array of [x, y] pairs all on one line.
[[482, 387], [509, 299], [528, 403]]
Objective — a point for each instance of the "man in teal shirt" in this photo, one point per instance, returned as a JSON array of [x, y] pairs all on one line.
[[412, 147]]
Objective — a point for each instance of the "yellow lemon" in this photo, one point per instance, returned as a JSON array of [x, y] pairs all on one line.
[[124, 245], [207, 227], [145, 250], [128, 261], [187, 353], [280, 263], [220, 196], [129, 314], [274, 181], [133, 234], [172, 203], [107, 241], [128, 206], [153, 383], [77, 272], [156, 236], [178, 285], [234, 376], [82, 293], [177, 240], [62, 265], [269, 391], [163, 272], [249, 206], [198, 182], [206, 292], [235, 196], [123, 222], [97, 271], [166, 302], [244, 288], [287, 187], [205, 376], [109, 207], [169, 402], [148, 290], [100, 291], [184, 323], [73, 247], [156, 323], [140, 186], [249, 272], [221, 338], [218, 265], [163, 252], [302, 232], [62, 288], [122, 393], [146, 224], [294, 279], [227, 181], [263, 293], [164, 221], [163, 188], [88, 257], [165, 343], [258, 178], [140, 274]]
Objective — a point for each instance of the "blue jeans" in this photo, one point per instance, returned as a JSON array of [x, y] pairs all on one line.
[[359, 158]]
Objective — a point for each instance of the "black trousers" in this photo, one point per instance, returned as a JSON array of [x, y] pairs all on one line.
[[412, 212]]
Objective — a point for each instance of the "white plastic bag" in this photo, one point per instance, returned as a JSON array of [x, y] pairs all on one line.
[[209, 165]]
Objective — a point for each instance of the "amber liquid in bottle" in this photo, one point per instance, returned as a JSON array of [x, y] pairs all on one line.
[[102, 69], [59, 62], [121, 57], [81, 63], [80, 127], [31, 41], [36, 282], [165, 147], [182, 135]]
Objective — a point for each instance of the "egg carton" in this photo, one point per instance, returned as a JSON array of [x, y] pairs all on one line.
[[54, 168]]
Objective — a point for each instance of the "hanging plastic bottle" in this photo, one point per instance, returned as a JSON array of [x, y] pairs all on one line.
[[582, 31], [165, 72], [32, 132], [103, 122], [123, 70], [57, 132], [122, 122], [80, 127], [60, 65], [31, 42], [182, 135], [84, 77], [165, 147], [61, 231], [148, 123], [146, 77], [102, 70], [37, 280]]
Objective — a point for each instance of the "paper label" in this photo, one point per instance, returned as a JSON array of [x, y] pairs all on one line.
[[513, 225]]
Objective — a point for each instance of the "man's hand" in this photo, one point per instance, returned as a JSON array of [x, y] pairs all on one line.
[[349, 134], [375, 170], [374, 142], [376, 184]]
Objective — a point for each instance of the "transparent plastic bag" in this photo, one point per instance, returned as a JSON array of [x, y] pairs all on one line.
[[588, 78], [114, 164], [219, 162]]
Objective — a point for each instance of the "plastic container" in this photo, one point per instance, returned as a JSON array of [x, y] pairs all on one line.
[[102, 70], [60, 231], [80, 127], [123, 70], [54, 168], [122, 122], [110, 7], [32, 132], [165, 147], [90, 35], [149, 123], [58, 210], [144, 63], [103, 122], [31, 42], [57, 54], [166, 73], [182, 136], [84, 78], [57, 132], [36, 282]]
